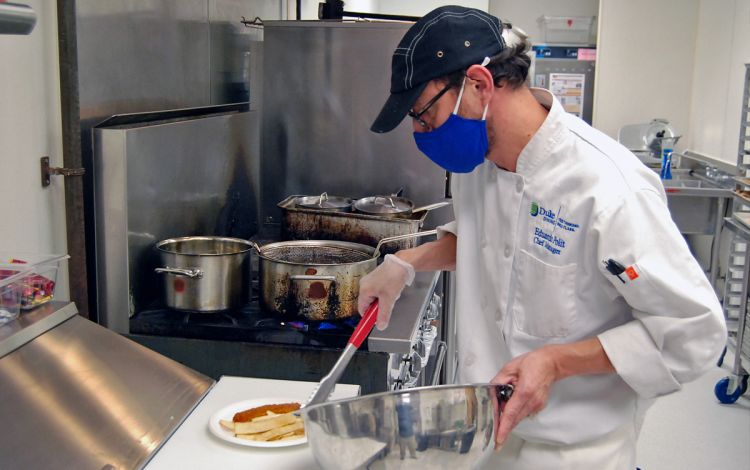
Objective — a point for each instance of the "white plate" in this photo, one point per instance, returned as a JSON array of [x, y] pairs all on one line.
[[228, 412]]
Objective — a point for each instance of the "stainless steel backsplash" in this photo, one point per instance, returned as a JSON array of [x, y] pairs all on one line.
[[323, 85]]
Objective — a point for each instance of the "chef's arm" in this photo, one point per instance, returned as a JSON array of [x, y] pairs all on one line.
[[386, 282], [534, 373], [439, 255], [678, 329], [580, 358]]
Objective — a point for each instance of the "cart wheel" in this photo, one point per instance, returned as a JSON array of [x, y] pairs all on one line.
[[743, 387], [721, 390], [721, 358]]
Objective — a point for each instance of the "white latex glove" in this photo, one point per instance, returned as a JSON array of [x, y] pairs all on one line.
[[385, 284]]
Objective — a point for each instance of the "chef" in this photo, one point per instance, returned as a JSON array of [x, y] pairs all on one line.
[[573, 283]]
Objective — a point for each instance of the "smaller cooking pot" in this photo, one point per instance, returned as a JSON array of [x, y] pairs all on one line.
[[392, 206], [205, 274], [324, 202]]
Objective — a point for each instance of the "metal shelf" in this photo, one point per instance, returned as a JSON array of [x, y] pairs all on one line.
[[736, 312], [736, 285], [743, 153]]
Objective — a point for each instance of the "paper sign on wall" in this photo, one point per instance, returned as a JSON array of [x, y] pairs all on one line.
[[568, 88]]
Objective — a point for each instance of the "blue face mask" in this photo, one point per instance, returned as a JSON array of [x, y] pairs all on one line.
[[460, 144]]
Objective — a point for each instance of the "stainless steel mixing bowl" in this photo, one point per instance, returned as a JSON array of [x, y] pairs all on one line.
[[447, 426]]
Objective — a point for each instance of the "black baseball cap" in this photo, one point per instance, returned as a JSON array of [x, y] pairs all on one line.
[[445, 40]]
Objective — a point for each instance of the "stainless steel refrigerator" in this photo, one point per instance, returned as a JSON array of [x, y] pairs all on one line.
[[568, 72]]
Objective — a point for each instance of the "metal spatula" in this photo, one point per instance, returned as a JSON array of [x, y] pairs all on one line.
[[363, 329]]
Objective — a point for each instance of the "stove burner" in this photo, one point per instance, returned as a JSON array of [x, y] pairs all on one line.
[[346, 325], [208, 318], [249, 323]]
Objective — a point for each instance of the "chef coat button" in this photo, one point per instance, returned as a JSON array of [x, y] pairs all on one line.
[[507, 252], [470, 359], [519, 186]]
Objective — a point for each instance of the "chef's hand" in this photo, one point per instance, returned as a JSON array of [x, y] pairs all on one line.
[[385, 283], [531, 374]]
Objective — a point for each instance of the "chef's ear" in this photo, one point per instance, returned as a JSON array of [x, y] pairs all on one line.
[[480, 77]]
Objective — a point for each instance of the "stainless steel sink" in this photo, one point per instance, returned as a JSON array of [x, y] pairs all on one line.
[[686, 183], [696, 203], [682, 183]]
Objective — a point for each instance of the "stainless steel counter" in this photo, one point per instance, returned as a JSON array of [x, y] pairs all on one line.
[[76, 395]]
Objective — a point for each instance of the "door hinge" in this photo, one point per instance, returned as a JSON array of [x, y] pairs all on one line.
[[48, 171]]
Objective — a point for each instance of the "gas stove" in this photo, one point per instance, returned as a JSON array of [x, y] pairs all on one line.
[[404, 355]]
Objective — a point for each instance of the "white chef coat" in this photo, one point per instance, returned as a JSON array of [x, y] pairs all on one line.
[[530, 272]]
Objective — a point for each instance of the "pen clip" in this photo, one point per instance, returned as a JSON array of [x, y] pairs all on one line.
[[614, 268]]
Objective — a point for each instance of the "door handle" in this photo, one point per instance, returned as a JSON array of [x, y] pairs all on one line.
[[48, 171]]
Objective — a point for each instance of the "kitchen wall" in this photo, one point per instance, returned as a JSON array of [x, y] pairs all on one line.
[[525, 14], [33, 218], [722, 49], [645, 61], [677, 59]]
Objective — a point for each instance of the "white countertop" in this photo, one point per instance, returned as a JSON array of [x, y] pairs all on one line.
[[192, 446]]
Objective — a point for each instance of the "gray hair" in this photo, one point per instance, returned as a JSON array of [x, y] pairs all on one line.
[[509, 67]]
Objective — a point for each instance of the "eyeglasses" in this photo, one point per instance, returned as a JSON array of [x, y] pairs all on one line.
[[418, 116]]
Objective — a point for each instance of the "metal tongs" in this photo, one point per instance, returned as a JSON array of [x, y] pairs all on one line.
[[362, 331]]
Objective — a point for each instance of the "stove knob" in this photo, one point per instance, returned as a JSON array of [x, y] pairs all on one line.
[[433, 311], [415, 365], [429, 334], [419, 347]]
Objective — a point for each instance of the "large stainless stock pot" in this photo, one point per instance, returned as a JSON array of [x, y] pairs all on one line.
[[446, 426], [205, 274], [316, 279]]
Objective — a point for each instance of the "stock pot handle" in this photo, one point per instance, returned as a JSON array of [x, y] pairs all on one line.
[[376, 253], [192, 273], [430, 207]]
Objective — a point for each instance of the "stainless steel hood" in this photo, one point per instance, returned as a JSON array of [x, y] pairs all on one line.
[[323, 85], [164, 175]]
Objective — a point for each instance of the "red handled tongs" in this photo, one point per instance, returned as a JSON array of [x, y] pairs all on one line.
[[363, 329]]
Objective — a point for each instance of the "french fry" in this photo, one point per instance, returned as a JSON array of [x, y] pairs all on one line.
[[226, 424], [297, 424], [286, 437], [274, 422]]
